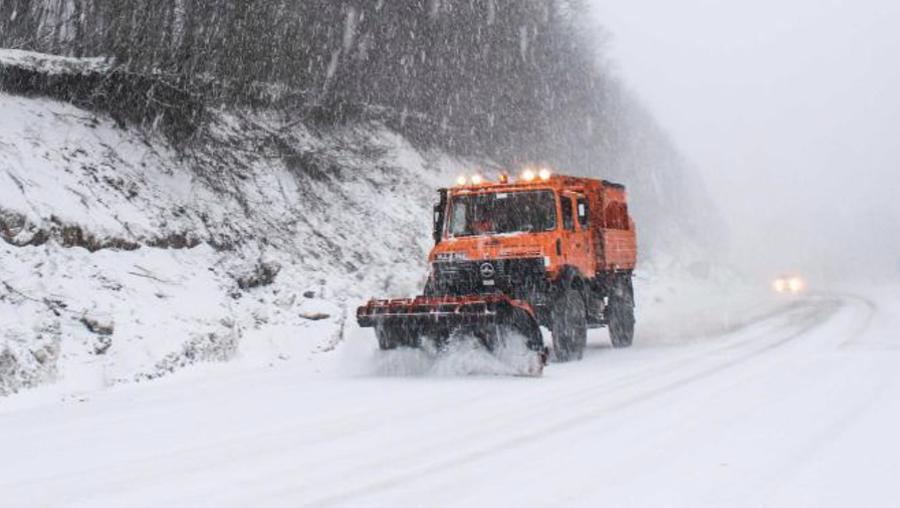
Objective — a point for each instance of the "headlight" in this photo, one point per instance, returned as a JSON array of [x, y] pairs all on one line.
[[779, 285], [789, 284]]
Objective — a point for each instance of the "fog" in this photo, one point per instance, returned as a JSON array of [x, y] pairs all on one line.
[[791, 113]]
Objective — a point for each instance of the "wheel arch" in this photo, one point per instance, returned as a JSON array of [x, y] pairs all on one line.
[[571, 278]]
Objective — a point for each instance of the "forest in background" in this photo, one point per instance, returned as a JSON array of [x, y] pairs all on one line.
[[512, 79]]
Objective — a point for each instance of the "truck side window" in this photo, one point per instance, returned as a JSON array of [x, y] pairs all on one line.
[[458, 221], [568, 220], [583, 213]]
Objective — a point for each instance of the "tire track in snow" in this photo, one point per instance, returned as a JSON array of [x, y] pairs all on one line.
[[815, 314], [506, 419], [503, 418], [806, 446], [871, 310]]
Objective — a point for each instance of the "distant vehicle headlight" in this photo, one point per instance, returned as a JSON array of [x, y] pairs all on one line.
[[788, 284]]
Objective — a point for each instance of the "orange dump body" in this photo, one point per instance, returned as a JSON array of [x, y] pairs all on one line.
[[598, 237]]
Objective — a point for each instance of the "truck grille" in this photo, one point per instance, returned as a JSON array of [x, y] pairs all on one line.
[[519, 277]]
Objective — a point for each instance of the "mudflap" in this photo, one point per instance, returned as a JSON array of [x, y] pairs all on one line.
[[500, 323]]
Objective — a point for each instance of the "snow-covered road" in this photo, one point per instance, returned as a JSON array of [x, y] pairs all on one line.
[[799, 407]]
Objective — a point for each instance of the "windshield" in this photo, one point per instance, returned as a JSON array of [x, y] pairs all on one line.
[[502, 212]]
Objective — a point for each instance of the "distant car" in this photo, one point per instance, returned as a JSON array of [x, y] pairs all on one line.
[[789, 284]]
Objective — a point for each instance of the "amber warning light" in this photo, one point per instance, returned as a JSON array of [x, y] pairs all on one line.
[[527, 175]]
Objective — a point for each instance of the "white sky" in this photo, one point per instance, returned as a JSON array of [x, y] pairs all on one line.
[[791, 111]]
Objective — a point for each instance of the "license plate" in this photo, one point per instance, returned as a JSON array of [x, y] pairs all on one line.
[[488, 282]]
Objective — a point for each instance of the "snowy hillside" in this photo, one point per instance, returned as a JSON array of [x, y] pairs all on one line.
[[125, 261]]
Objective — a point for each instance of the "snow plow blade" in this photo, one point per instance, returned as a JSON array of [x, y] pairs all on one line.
[[494, 319]]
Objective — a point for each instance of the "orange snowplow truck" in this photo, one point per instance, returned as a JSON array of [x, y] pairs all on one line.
[[513, 255]]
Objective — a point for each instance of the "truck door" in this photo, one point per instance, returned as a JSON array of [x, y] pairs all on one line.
[[578, 250]]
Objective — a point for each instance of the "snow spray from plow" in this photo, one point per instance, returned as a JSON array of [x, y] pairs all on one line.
[[464, 356], [440, 324]]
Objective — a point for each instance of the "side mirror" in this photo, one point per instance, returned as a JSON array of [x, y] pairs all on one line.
[[439, 210], [437, 231]]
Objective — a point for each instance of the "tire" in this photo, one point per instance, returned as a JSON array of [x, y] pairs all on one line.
[[620, 312], [569, 326], [392, 336]]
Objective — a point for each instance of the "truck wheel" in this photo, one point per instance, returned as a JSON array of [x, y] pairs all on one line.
[[621, 313], [569, 327], [386, 339]]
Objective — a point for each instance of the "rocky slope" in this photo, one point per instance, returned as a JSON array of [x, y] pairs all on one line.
[[124, 258]]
